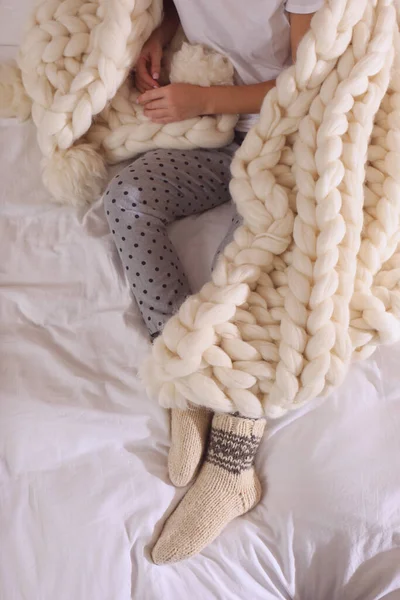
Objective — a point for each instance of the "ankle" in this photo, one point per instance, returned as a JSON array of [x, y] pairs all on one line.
[[233, 423], [234, 442]]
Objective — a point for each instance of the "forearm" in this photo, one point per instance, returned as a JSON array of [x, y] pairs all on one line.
[[241, 99], [169, 25]]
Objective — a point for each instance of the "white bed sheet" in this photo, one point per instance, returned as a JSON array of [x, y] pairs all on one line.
[[83, 479]]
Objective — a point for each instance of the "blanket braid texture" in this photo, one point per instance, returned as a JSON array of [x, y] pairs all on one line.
[[72, 77], [312, 278]]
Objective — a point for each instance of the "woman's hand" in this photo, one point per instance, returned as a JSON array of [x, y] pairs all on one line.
[[175, 102], [148, 66]]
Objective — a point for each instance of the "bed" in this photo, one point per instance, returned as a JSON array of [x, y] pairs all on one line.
[[84, 489]]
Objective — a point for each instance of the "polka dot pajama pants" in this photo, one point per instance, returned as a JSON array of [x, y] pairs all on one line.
[[158, 188]]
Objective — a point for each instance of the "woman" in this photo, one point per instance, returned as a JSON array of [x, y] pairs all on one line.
[[260, 37]]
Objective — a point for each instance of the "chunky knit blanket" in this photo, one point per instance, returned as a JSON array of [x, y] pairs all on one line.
[[312, 278], [72, 78]]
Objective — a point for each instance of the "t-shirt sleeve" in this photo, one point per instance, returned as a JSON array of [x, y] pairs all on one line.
[[303, 7]]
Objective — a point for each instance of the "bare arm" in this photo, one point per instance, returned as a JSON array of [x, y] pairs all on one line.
[[235, 100], [183, 101], [148, 65], [169, 25]]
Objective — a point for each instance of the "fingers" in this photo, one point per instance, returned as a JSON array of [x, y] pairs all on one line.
[[157, 114], [160, 116], [140, 86], [150, 95], [143, 77], [156, 104], [155, 61], [143, 87], [164, 121]]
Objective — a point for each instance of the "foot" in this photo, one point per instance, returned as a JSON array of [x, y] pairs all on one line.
[[189, 434], [227, 487]]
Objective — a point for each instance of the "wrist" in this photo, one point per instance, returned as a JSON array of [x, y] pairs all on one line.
[[206, 100]]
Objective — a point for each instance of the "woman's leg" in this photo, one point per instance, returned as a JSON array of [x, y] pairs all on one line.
[[235, 223], [190, 428], [158, 188], [227, 485]]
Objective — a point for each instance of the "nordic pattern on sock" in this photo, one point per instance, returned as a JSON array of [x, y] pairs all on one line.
[[232, 452]]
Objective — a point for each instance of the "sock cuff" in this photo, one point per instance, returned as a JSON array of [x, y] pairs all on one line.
[[192, 412], [234, 442], [240, 426]]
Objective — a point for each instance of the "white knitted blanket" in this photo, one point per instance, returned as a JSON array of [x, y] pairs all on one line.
[[312, 277], [72, 78]]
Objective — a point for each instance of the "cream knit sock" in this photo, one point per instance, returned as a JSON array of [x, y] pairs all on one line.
[[227, 486], [189, 434]]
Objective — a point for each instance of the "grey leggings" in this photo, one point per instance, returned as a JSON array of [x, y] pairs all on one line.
[[155, 190]]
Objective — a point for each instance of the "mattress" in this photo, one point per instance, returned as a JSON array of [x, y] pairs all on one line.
[[84, 489]]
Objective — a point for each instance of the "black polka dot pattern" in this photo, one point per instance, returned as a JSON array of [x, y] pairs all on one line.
[[156, 189]]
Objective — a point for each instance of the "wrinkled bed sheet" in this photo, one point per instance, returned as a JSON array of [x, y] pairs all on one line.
[[83, 479]]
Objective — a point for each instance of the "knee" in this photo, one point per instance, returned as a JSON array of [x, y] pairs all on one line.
[[115, 195], [127, 190]]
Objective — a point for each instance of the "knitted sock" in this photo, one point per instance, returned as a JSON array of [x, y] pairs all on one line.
[[227, 487], [189, 433]]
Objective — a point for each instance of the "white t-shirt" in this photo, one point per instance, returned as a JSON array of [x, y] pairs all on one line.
[[253, 34]]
